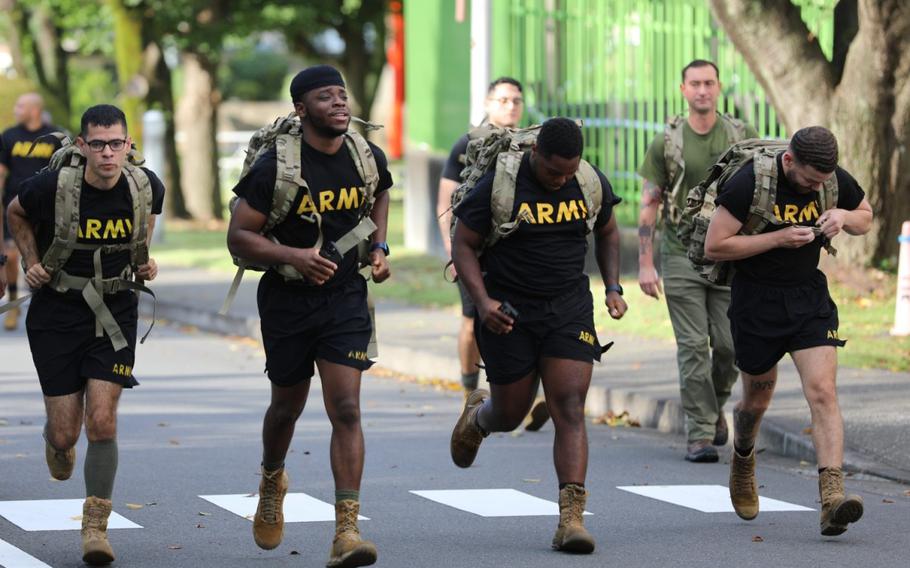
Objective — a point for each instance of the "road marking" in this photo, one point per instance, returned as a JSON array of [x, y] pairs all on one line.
[[54, 515], [298, 507], [493, 502], [12, 557], [705, 498]]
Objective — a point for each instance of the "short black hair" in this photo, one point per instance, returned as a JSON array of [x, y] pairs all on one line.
[[560, 136], [695, 63], [102, 115], [815, 146], [507, 81]]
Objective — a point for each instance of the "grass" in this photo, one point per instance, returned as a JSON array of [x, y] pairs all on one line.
[[865, 315]]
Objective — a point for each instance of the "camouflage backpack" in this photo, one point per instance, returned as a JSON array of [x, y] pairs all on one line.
[[490, 146], [70, 162], [284, 135], [700, 203], [676, 165]]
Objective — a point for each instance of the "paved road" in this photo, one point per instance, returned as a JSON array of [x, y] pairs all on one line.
[[192, 429]]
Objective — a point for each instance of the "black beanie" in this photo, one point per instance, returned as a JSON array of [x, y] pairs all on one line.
[[313, 78]]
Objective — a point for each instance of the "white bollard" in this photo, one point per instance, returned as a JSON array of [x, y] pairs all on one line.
[[902, 305], [153, 150]]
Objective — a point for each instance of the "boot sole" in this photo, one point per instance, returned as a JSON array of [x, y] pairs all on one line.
[[576, 546], [538, 417], [849, 511], [360, 556], [97, 558], [460, 458]]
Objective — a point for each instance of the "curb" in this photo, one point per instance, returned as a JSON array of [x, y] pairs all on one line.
[[663, 415]]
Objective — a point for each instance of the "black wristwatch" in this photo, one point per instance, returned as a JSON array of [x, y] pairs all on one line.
[[384, 247], [3, 259], [615, 288]]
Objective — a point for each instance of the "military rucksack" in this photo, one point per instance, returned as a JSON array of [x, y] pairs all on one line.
[[700, 203], [70, 162], [284, 135], [735, 130], [503, 148]]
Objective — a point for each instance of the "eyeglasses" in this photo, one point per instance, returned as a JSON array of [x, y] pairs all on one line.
[[517, 101], [98, 145]]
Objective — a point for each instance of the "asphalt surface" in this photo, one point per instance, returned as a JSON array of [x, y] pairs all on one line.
[[193, 428]]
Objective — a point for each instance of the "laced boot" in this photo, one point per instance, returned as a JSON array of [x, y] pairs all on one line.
[[96, 550], [60, 463], [11, 322], [743, 487], [467, 436], [268, 523], [571, 535], [837, 509], [348, 549], [538, 416]]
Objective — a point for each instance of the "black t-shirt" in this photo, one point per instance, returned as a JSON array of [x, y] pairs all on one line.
[[784, 266], [14, 154], [105, 217], [456, 161], [545, 258], [335, 191]]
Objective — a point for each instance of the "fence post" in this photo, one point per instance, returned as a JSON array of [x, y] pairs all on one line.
[[902, 305]]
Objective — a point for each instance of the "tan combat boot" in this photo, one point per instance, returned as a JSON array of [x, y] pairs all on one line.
[[268, 522], [467, 436], [96, 550], [60, 464], [538, 416], [571, 535], [837, 509], [348, 549], [743, 488], [11, 322]]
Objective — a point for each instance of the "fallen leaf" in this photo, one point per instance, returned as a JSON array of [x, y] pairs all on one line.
[[907, 493], [807, 431], [175, 547], [153, 503], [757, 538], [204, 514], [623, 419], [530, 480], [76, 517], [163, 424], [294, 553], [4, 422], [200, 526], [887, 501], [803, 463], [306, 453], [173, 442], [133, 506], [25, 422]]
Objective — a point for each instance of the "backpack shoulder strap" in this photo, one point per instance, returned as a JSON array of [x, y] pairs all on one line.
[[675, 164], [66, 216], [761, 212], [367, 168], [734, 127], [591, 190], [288, 179], [141, 194], [502, 197]]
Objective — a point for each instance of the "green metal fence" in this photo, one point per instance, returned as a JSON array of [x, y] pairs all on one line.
[[616, 64]]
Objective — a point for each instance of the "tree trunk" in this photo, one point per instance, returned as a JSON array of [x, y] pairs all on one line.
[[50, 59], [128, 57], [868, 109], [161, 96], [15, 32], [197, 114]]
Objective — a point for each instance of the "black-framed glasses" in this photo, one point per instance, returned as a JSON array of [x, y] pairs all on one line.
[[517, 101], [116, 144]]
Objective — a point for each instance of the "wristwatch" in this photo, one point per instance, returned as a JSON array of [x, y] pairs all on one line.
[[384, 247], [615, 288], [3, 259]]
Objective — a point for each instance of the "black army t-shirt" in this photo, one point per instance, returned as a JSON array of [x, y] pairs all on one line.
[[14, 154], [784, 266], [105, 218], [335, 192], [543, 258], [456, 160]]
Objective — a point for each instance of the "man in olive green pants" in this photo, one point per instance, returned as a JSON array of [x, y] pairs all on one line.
[[677, 160]]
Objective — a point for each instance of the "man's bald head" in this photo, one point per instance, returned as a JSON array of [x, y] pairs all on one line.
[[28, 110]]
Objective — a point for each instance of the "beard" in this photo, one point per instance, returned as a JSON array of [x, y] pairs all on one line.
[[323, 128]]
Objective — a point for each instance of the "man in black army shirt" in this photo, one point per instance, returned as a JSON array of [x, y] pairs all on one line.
[[323, 320], [24, 149], [81, 374], [780, 304], [539, 271]]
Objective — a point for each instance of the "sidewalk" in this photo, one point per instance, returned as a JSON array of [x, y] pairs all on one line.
[[637, 375]]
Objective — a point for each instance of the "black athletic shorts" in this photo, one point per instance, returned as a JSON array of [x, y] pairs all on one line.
[[467, 302], [301, 323], [61, 335], [769, 321], [561, 328]]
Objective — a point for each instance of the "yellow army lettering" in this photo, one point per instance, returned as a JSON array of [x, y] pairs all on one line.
[[113, 229], [347, 198], [357, 355], [565, 211], [122, 370], [807, 213], [41, 150], [832, 334], [586, 337]]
